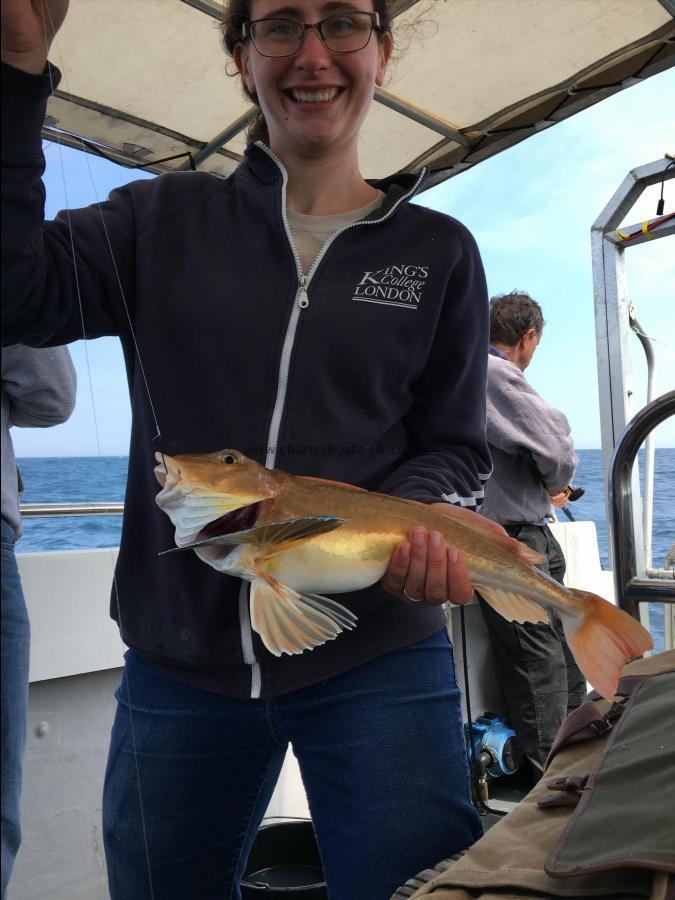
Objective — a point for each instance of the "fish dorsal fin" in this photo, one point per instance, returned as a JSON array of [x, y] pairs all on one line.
[[486, 528], [522, 551], [277, 536], [335, 484], [513, 607], [290, 622]]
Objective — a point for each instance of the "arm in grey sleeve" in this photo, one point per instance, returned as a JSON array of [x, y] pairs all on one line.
[[40, 384], [522, 423]]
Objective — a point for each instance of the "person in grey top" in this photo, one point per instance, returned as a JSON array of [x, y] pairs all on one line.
[[38, 390], [533, 463]]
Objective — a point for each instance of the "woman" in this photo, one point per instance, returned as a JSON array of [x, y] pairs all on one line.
[[262, 309]]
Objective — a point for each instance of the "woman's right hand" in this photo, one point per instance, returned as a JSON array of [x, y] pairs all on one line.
[[28, 29]]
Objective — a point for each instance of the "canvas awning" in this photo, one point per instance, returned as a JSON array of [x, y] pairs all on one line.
[[146, 79]]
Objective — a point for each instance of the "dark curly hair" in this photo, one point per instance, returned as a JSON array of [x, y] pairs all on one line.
[[235, 13], [512, 315]]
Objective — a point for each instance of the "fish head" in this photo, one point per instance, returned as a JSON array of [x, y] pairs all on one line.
[[208, 494]]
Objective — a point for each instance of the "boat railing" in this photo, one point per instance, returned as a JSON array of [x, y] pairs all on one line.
[[50, 510], [635, 584], [615, 319]]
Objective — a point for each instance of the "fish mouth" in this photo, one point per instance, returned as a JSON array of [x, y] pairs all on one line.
[[167, 472], [197, 511]]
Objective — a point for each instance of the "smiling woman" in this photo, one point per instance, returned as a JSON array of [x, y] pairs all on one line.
[[323, 325], [313, 97]]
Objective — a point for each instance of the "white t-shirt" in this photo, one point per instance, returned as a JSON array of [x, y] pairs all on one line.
[[310, 233]]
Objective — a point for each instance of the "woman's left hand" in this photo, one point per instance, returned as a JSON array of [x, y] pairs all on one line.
[[425, 568]]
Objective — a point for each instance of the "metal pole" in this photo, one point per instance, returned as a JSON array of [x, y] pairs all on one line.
[[221, 139], [422, 117], [648, 498]]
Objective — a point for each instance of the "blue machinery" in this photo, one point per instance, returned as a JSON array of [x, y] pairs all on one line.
[[492, 750]]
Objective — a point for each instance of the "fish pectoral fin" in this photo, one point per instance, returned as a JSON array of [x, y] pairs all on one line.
[[513, 607], [291, 622], [289, 531], [277, 535], [604, 641]]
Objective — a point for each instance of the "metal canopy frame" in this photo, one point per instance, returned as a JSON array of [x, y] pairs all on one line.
[[153, 145], [465, 148], [613, 315]]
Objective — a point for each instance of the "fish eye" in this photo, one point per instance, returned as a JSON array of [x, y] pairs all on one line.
[[228, 458]]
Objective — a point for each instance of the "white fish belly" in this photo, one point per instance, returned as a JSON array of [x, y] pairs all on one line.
[[310, 569]]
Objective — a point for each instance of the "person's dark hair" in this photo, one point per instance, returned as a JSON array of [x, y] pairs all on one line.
[[511, 315], [235, 13]]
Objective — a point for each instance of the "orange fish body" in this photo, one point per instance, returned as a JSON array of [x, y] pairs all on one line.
[[295, 538]]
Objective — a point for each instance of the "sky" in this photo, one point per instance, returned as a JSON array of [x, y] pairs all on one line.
[[530, 208]]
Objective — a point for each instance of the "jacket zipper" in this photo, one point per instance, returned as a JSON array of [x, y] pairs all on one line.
[[301, 302], [246, 634]]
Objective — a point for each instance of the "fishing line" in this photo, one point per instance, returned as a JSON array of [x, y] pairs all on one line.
[[98, 442], [77, 278], [105, 230]]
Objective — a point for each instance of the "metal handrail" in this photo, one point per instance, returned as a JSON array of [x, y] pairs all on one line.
[[648, 499], [631, 590], [50, 510]]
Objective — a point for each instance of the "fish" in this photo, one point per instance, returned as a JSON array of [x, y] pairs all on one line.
[[296, 538]]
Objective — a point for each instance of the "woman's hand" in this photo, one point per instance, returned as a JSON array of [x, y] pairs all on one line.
[[28, 29], [425, 568]]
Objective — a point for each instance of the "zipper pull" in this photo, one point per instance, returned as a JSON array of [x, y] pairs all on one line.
[[303, 297]]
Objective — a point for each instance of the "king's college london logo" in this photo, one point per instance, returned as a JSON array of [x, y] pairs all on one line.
[[393, 286]]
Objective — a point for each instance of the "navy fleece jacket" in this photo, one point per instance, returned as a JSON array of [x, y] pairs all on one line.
[[378, 381]]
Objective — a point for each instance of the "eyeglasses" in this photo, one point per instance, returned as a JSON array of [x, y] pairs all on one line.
[[342, 33]]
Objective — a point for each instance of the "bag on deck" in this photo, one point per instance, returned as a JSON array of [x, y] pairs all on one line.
[[600, 823]]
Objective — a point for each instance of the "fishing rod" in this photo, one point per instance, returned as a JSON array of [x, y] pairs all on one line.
[[573, 494]]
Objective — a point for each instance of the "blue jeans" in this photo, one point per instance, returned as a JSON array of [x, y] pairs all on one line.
[[381, 752], [14, 692]]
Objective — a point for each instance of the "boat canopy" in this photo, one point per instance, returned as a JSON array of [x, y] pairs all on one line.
[[144, 80]]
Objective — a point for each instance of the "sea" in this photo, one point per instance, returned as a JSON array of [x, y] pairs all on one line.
[[102, 479]]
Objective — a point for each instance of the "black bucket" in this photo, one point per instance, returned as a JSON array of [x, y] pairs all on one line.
[[284, 864]]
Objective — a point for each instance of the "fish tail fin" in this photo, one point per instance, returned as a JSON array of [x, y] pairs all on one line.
[[290, 622], [604, 641]]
